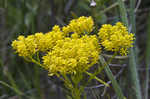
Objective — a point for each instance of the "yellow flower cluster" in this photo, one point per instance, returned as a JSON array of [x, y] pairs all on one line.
[[72, 55], [25, 46], [82, 25], [47, 41], [116, 38], [28, 46], [66, 50], [69, 49]]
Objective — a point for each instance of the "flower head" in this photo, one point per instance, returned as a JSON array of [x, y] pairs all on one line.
[[28, 46], [25, 46], [72, 55], [47, 41], [82, 25], [116, 38]]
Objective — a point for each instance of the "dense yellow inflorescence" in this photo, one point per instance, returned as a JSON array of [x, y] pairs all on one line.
[[82, 25], [71, 49], [116, 38], [25, 46], [72, 55], [39, 42], [66, 50], [48, 40]]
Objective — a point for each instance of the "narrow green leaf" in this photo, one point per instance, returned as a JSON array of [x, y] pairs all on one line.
[[113, 80], [147, 60]]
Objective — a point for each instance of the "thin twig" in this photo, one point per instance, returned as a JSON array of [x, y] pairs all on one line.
[[111, 6], [118, 65], [68, 6], [137, 6], [116, 57], [114, 97], [109, 82]]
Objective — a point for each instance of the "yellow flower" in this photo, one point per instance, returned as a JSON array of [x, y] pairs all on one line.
[[82, 25], [72, 55], [38, 42], [25, 46], [46, 42], [116, 38]]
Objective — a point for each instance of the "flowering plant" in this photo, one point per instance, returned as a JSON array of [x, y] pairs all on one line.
[[70, 51]]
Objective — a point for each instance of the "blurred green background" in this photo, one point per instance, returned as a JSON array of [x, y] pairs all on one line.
[[23, 80]]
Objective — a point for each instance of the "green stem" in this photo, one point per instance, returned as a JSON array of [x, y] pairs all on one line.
[[38, 57], [14, 85], [134, 75], [36, 62], [101, 81], [5, 3], [123, 12], [132, 59], [133, 54], [72, 86], [100, 68], [147, 60], [113, 80], [110, 7], [36, 76]]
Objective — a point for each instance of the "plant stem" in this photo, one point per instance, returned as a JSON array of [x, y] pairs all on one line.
[[101, 81], [147, 60], [134, 75], [36, 62], [123, 12], [12, 88], [113, 80], [132, 59], [111, 6]]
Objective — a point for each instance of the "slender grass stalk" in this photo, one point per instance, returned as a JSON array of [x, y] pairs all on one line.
[[132, 16], [132, 59], [147, 60], [110, 7], [20, 93], [14, 85], [11, 87], [0, 62], [26, 83], [134, 74], [1, 3], [113, 80], [123, 12], [37, 74]]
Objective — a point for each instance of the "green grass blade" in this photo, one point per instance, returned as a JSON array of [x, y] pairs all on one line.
[[133, 55], [113, 80], [134, 75], [123, 12], [23, 77], [11, 87], [132, 59], [147, 60]]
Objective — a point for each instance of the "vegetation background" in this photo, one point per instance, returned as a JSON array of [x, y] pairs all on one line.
[[23, 80]]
